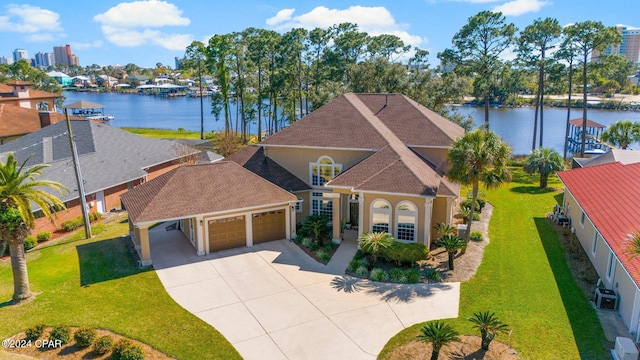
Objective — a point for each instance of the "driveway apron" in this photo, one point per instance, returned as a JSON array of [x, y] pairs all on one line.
[[273, 301]]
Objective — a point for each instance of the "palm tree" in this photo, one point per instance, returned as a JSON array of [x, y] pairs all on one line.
[[445, 229], [622, 133], [633, 248], [489, 326], [545, 162], [373, 242], [452, 244], [18, 191], [479, 156], [316, 224], [438, 334]]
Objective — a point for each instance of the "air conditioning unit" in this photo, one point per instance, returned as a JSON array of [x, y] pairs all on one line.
[[606, 299], [625, 349]]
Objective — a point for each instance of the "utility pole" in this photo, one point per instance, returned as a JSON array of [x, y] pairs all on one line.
[[80, 181]]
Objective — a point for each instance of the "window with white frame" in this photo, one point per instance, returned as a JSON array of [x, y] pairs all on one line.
[[380, 215], [406, 221], [594, 247], [610, 266], [322, 171], [321, 205], [582, 216], [299, 205]]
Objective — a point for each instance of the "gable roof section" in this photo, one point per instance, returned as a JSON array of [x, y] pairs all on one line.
[[108, 156], [613, 155], [6, 93], [412, 123], [400, 169], [609, 195], [16, 120], [201, 189], [252, 158], [328, 127]]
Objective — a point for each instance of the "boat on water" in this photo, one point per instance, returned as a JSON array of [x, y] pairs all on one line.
[[89, 110]]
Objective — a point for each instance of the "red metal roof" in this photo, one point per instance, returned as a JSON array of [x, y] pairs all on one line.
[[609, 195], [590, 123]]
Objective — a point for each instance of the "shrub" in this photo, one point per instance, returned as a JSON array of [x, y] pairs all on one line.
[[298, 239], [307, 242], [409, 253], [412, 276], [43, 236], [466, 203], [124, 349], [95, 216], [60, 332], [30, 242], [85, 336], [72, 224], [434, 275], [353, 265], [379, 275], [102, 345], [397, 275], [476, 216], [33, 333], [359, 255], [362, 271], [476, 235], [323, 255]]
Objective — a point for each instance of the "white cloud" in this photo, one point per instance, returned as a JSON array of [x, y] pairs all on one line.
[[476, 1], [134, 24], [281, 16], [372, 20], [519, 7], [87, 45], [36, 23]]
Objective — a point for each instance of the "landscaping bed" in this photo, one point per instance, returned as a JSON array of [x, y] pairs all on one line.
[[467, 349], [71, 350]]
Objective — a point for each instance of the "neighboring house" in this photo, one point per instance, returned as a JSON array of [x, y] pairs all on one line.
[[112, 161], [603, 206], [62, 78], [19, 93], [613, 155], [374, 161], [16, 121]]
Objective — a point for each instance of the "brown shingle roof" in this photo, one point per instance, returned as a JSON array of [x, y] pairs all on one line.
[[191, 190], [252, 158], [6, 93], [16, 120]]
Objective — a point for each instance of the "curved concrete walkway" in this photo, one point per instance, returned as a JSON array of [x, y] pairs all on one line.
[[273, 301]]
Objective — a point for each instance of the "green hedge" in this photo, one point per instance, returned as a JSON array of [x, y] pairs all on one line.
[[30, 242], [73, 224], [43, 236], [401, 253]]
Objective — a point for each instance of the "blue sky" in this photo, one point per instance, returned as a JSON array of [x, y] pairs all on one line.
[[146, 32]]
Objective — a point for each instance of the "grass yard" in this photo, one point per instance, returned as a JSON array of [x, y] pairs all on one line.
[[165, 133], [525, 280], [95, 283]]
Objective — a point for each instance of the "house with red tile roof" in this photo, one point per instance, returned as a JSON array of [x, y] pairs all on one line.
[[374, 161], [603, 205]]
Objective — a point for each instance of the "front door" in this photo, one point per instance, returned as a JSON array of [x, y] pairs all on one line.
[[353, 214]]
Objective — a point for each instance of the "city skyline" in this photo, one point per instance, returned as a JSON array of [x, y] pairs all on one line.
[[152, 31]]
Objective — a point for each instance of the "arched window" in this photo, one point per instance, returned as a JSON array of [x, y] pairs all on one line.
[[322, 171], [380, 215], [406, 221]]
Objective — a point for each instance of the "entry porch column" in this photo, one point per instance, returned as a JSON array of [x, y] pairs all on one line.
[[428, 208], [335, 216], [449, 216], [142, 239]]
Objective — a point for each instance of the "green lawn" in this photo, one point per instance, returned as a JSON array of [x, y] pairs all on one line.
[[95, 283], [524, 278], [165, 133]]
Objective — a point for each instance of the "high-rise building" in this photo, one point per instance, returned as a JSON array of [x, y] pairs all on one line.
[[44, 60], [20, 54], [629, 47], [64, 55], [6, 60]]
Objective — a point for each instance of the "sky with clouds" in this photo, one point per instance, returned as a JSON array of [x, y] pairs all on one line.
[[146, 32]]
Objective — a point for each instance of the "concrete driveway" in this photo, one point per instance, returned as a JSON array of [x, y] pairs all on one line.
[[273, 301]]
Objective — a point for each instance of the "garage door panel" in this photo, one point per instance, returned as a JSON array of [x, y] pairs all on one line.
[[269, 226], [227, 233]]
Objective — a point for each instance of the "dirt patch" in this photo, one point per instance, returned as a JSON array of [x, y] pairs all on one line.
[[465, 265], [71, 351], [467, 349]]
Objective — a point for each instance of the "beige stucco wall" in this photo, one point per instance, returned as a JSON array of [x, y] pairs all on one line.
[[438, 215], [306, 205], [395, 200], [625, 286], [297, 160], [436, 156]]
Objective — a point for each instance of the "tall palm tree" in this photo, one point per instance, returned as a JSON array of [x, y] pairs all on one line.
[[489, 326], [452, 244], [19, 189], [545, 162], [438, 334], [373, 242], [622, 133], [479, 156]]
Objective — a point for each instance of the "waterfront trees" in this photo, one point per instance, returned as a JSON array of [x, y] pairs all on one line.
[[534, 43], [545, 162], [589, 36], [622, 133], [476, 52]]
